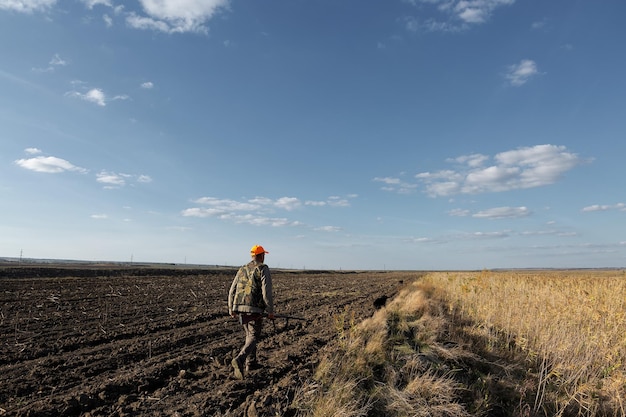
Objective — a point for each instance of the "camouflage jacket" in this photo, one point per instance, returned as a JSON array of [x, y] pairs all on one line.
[[251, 290]]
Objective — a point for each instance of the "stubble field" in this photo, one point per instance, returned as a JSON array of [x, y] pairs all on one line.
[[102, 341]]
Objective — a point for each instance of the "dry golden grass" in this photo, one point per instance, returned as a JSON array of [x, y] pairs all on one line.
[[375, 368], [570, 325], [456, 344]]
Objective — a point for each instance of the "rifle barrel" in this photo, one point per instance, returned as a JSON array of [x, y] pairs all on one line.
[[283, 316]]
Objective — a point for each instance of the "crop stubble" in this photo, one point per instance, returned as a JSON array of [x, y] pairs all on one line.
[[145, 341]]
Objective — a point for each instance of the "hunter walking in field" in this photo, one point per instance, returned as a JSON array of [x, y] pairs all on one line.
[[249, 298]]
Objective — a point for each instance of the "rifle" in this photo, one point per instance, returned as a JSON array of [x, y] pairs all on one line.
[[286, 317], [276, 316], [283, 316]]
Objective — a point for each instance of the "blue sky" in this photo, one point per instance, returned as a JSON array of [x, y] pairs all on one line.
[[396, 134]]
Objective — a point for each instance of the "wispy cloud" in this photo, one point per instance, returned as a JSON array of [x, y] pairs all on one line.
[[99, 216], [519, 74], [549, 232], [32, 151], [459, 212], [235, 217], [117, 180], [465, 236], [56, 61], [96, 96], [332, 201], [454, 15], [331, 229], [493, 213], [503, 213], [27, 6], [605, 207], [258, 210], [521, 168], [90, 4], [147, 85], [394, 184], [492, 235], [539, 24]]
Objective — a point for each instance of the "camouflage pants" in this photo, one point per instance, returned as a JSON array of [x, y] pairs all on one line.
[[252, 329]]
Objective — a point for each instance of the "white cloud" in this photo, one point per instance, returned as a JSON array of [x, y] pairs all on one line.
[[517, 169], [146, 23], [487, 235], [32, 151], [605, 207], [99, 216], [539, 24], [548, 233], [96, 96], [422, 240], [111, 179], [519, 74], [388, 180], [474, 160], [56, 61], [257, 210], [456, 14], [478, 11], [332, 201], [121, 97], [226, 205], [335, 201], [411, 23], [255, 204], [108, 21], [90, 4], [252, 219], [503, 213], [466, 236], [27, 6], [48, 164], [328, 229], [116, 180], [147, 85], [395, 185], [288, 203], [176, 16], [459, 213]]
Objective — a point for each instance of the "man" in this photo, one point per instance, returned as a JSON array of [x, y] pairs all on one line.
[[249, 297]]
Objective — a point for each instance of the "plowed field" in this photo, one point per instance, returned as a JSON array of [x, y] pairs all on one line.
[[158, 342]]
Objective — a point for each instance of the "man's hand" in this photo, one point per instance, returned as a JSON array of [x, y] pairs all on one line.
[[233, 314]]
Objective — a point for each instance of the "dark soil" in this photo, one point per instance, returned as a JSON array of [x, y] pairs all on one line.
[[158, 342]]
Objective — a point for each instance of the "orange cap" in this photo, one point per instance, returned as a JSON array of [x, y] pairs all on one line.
[[257, 250]]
